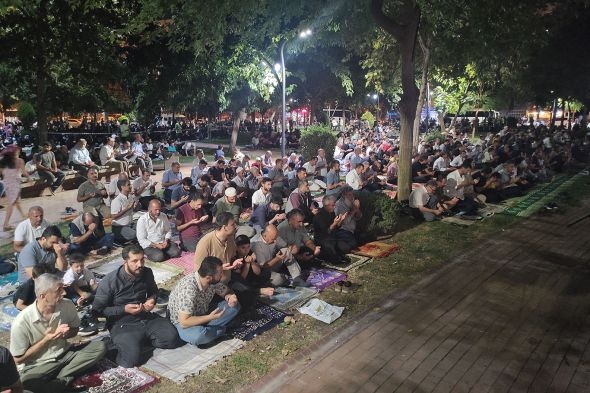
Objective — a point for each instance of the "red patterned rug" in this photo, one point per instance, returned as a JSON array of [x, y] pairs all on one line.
[[185, 261]]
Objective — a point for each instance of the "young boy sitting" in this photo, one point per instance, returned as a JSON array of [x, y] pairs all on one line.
[[80, 282], [25, 293]]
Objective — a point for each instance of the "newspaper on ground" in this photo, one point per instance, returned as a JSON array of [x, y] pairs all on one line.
[[321, 310]]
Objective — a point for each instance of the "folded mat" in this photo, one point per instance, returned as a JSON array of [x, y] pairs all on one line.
[[177, 364], [186, 262], [376, 249]]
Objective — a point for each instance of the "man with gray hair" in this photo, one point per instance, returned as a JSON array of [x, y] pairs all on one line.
[[30, 229], [38, 340]]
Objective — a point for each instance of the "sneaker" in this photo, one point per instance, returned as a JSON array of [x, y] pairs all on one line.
[[88, 326], [299, 282], [103, 250]]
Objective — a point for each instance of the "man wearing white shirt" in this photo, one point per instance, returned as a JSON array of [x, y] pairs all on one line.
[[310, 167], [107, 156], [143, 159], [80, 157], [442, 163], [154, 234], [30, 229], [122, 208], [144, 187], [262, 195], [353, 178], [198, 170]]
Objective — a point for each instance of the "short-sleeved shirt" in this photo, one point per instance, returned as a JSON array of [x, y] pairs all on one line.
[[190, 298], [258, 198], [88, 188], [186, 213], [119, 204], [81, 280], [419, 197], [25, 232], [265, 251], [46, 159], [8, 372], [139, 182], [29, 327], [178, 193], [331, 179], [210, 245], [222, 206], [297, 237], [33, 254]]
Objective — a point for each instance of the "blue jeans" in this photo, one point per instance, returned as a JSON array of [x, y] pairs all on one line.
[[203, 334]]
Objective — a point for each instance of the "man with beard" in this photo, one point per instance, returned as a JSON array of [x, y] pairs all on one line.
[[268, 214], [126, 297], [197, 319]]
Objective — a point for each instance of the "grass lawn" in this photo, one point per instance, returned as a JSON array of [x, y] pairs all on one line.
[[424, 248]]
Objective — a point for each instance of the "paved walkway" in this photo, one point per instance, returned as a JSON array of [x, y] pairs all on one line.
[[511, 315]]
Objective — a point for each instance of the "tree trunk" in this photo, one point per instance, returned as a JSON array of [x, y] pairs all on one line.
[[404, 31], [236, 129], [475, 124], [423, 83], [562, 112], [441, 122]]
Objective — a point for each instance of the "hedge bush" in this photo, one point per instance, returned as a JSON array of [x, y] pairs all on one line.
[[380, 213], [316, 137]]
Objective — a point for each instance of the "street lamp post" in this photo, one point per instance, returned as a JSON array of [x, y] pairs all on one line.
[[303, 34], [375, 96]]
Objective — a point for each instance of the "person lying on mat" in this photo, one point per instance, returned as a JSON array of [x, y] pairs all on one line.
[[126, 297], [198, 320]]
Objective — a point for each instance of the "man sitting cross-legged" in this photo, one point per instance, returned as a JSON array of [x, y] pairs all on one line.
[[189, 219], [126, 297], [297, 237], [196, 319], [423, 205], [38, 340], [154, 234], [273, 253]]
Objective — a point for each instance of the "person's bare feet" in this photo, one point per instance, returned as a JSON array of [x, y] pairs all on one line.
[[269, 291]]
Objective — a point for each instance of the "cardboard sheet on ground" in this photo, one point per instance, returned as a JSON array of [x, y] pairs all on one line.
[[286, 298], [355, 261], [321, 310], [177, 364], [376, 249]]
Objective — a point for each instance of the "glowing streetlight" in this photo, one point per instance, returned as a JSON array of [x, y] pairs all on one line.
[[375, 96], [304, 34]]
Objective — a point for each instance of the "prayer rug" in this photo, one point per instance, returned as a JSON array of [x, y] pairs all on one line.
[[247, 326], [355, 261], [7, 313], [8, 284], [376, 249], [177, 364], [186, 262], [162, 272], [322, 278], [107, 377], [286, 298], [538, 197]]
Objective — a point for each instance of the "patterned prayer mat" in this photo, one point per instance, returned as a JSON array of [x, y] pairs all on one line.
[[107, 377], [177, 364], [186, 262], [8, 284], [7, 313], [376, 249], [539, 196], [321, 278], [286, 298], [247, 326], [355, 261]]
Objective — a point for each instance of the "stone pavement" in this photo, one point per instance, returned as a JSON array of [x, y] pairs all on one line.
[[510, 315]]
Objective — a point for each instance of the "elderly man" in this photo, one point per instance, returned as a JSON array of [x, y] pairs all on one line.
[[229, 203], [189, 218], [126, 297], [122, 208], [326, 225], [349, 208], [39, 340], [47, 168], [92, 193], [197, 319], [154, 234], [87, 234], [47, 249], [297, 238], [142, 158], [423, 206], [273, 253], [171, 179], [30, 229], [80, 158], [108, 157]]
